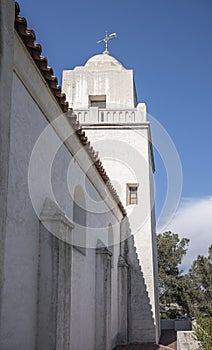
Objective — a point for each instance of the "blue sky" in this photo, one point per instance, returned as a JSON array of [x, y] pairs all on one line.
[[168, 45]]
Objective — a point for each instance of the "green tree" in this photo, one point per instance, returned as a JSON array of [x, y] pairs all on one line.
[[198, 293], [198, 286], [171, 250], [203, 332]]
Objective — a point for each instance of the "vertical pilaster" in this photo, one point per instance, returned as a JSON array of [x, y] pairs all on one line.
[[122, 300], [54, 283], [63, 296], [103, 299]]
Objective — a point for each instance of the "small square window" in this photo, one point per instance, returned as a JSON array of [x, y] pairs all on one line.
[[132, 194], [97, 101]]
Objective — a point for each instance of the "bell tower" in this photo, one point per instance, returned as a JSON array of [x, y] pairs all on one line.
[[102, 94]]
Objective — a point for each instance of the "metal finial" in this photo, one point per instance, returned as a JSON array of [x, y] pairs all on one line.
[[106, 39]]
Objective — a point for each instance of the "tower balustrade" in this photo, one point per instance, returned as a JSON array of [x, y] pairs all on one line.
[[95, 115]]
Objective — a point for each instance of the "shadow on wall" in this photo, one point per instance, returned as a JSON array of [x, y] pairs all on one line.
[[141, 327], [79, 219]]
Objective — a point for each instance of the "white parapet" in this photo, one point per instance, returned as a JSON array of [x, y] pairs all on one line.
[[186, 341], [95, 115]]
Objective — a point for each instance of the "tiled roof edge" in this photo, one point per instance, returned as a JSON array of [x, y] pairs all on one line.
[[28, 37]]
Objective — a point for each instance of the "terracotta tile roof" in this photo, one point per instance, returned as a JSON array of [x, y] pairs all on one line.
[[28, 37]]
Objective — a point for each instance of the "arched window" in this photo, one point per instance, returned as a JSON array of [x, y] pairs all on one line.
[[79, 218]]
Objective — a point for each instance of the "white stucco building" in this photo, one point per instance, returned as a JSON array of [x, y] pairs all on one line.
[[78, 270], [103, 96]]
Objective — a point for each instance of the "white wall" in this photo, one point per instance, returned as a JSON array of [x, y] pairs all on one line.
[[186, 341], [6, 65], [93, 79], [122, 137], [21, 290], [125, 153]]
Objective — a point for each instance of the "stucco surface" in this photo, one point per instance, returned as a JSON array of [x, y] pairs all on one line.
[[6, 64], [30, 250], [56, 294], [93, 79], [121, 134]]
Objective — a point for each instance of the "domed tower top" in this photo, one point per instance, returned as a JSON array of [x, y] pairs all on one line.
[[103, 82], [104, 61]]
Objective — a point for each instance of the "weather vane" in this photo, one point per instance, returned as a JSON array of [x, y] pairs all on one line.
[[106, 39]]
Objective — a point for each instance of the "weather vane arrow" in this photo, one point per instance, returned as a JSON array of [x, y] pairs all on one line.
[[107, 39]]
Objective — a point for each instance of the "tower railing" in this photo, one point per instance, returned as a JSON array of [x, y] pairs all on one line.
[[95, 115]]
